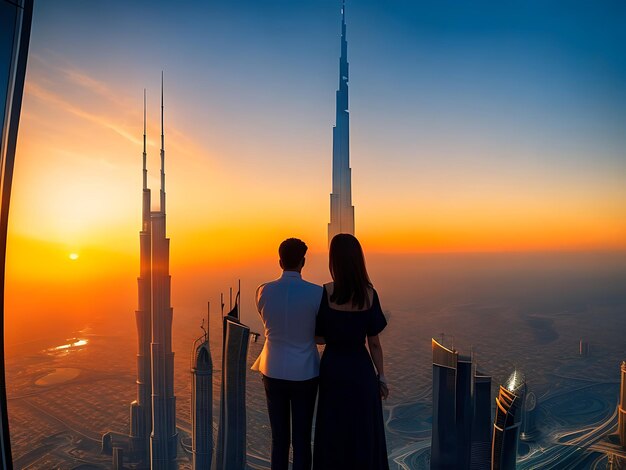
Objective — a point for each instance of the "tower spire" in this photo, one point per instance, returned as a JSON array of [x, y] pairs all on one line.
[[145, 169], [162, 206]]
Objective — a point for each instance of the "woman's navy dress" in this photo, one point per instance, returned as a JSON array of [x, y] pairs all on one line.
[[349, 428]]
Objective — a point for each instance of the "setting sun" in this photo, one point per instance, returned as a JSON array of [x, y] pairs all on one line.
[[73, 256]]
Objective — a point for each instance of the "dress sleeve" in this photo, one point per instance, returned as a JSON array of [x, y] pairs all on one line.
[[320, 321], [377, 321]]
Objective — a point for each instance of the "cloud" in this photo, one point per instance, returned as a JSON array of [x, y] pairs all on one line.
[[37, 91], [46, 74]]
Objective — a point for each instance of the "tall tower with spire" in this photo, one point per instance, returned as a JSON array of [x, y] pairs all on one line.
[[341, 208], [141, 408], [153, 436], [164, 438]]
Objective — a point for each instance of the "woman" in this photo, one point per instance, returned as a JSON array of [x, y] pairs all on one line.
[[349, 429]]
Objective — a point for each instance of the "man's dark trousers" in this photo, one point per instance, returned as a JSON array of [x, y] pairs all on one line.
[[290, 404]]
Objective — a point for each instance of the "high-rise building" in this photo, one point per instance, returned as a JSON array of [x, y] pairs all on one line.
[[452, 409], [15, 22], [141, 408], [443, 441], [153, 413], [481, 423], [464, 409], [341, 208], [621, 426], [202, 404], [506, 426], [230, 452], [164, 437]]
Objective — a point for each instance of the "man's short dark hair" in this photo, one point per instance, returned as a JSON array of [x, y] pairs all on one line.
[[291, 252]]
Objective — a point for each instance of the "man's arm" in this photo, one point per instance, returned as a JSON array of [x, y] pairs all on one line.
[[257, 296]]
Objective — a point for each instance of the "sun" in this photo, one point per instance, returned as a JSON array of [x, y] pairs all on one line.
[[73, 256]]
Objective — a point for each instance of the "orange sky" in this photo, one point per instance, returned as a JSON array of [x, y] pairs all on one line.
[[232, 199]]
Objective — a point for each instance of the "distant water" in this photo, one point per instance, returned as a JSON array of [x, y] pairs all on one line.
[[58, 376]]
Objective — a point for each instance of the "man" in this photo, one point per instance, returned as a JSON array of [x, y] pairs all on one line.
[[289, 360]]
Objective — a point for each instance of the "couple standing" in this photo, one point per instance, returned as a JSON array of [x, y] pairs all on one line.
[[296, 314]]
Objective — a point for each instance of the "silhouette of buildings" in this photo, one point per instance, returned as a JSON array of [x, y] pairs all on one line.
[[506, 427], [230, 452], [15, 22], [452, 409], [341, 208], [153, 413], [202, 404], [481, 423], [621, 426]]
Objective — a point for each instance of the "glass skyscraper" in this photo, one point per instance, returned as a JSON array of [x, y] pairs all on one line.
[[452, 409], [506, 427]]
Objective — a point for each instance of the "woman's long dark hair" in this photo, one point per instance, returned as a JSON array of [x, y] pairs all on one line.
[[347, 268]]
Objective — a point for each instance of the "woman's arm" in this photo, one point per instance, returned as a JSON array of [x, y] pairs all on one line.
[[376, 351]]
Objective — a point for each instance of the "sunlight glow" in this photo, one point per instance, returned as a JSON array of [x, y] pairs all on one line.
[[74, 344]]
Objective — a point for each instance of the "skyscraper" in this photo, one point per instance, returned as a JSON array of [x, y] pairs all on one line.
[[341, 208], [481, 423], [141, 408], [452, 409], [154, 411], [621, 426], [230, 449], [202, 404], [164, 438], [464, 409], [506, 427]]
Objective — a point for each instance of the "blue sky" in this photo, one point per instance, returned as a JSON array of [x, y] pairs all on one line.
[[517, 108]]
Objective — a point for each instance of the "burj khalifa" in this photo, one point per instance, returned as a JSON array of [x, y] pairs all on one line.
[[341, 208], [153, 435]]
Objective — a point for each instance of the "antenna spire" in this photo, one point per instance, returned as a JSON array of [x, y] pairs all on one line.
[[162, 153], [145, 169]]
